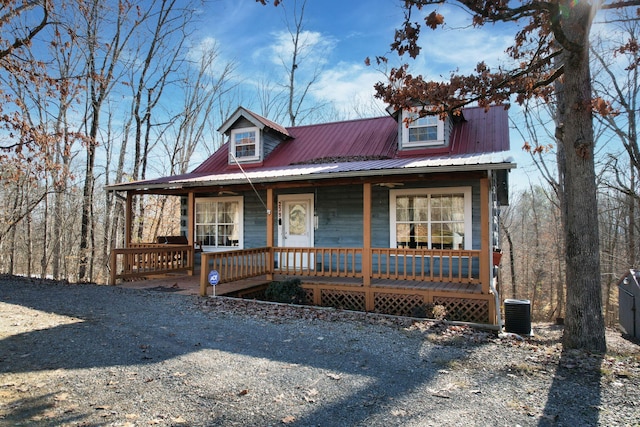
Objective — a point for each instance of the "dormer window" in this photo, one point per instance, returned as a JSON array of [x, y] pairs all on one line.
[[245, 144], [421, 132], [252, 138]]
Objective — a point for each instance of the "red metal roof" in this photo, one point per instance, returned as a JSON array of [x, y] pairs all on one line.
[[373, 139], [365, 138], [269, 123], [481, 132], [365, 146]]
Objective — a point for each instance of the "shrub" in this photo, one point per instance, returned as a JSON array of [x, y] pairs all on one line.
[[288, 291], [429, 311]]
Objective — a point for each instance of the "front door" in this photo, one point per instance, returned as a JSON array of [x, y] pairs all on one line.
[[295, 227]]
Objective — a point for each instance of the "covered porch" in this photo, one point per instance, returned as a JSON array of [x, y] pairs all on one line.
[[333, 282], [374, 279]]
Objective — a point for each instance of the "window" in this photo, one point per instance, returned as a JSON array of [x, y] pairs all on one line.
[[219, 222], [431, 218], [245, 144], [421, 131]]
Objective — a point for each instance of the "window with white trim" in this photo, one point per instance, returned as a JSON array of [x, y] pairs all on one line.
[[421, 131], [245, 144], [431, 218], [219, 222]]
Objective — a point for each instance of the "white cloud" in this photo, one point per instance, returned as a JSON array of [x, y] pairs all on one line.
[[345, 84], [312, 47], [460, 46], [443, 53], [204, 45]]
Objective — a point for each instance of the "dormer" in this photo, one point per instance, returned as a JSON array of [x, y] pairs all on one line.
[[251, 137], [430, 132]]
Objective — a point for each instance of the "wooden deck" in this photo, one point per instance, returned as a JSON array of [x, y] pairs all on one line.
[[464, 302], [184, 284], [190, 285]]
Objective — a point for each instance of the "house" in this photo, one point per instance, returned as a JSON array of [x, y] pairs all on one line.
[[389, 214]]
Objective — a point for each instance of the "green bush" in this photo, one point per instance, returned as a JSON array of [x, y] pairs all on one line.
[[289, 291]]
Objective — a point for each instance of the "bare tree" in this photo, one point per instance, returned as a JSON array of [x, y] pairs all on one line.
[[103, 62], [203, 84], [616, 80], [302, 61]]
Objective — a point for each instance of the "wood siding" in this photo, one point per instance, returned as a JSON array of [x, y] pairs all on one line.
[[255, 220], [339, 211], [269, 142]]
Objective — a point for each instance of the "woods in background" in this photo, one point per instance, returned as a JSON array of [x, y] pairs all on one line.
[[99, 92]]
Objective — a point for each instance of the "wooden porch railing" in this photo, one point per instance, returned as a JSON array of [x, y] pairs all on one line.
[[235, 265], [452, 266], [431, 265], [327, 262], [144, 259]]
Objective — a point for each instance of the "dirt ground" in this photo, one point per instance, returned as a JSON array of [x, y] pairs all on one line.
[[87, 355]]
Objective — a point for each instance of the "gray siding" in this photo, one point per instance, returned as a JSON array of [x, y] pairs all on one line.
[[339, 211], [242, 123], [380, 231], [269, 143], [255, 220]]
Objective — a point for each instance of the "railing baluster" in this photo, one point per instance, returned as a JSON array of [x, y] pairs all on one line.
[[386, 263]]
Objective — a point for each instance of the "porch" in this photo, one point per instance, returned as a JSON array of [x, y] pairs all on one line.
[[385, 280]]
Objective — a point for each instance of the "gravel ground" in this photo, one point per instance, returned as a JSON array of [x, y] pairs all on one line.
[[87, 355]]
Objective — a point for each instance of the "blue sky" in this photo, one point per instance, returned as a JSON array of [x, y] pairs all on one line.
[[343, 34]]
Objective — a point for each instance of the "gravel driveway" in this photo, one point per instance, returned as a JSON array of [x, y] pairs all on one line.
[[87, 355]]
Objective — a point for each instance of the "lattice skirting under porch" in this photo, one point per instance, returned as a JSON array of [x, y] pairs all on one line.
[[347, 300], [398, 304], [459, 309], [463, 309]]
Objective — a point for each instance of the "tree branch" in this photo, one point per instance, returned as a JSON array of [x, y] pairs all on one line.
[[19, 42]]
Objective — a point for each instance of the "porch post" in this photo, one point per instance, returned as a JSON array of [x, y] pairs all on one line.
[[128, 216], [191, 199], [366, 245], [485, 245], [270, 233]]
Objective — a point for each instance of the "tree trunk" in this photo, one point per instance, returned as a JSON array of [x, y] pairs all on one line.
[[45, 236], [584, 323], [631, 214], [29, 242], [12, 232], [87, 203], [512, 260]]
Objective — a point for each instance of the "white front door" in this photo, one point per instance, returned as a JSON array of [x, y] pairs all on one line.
[[295, 226]]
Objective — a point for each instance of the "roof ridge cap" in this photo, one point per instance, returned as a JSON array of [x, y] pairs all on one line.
[[340, 121]]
